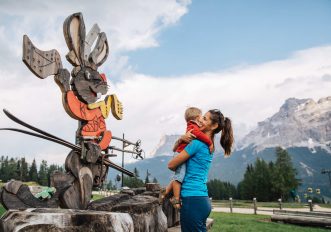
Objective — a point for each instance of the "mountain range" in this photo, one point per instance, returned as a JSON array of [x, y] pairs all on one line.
[[302, 126]]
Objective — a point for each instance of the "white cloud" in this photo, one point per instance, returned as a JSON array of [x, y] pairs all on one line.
[[153, 106], [129, 25]]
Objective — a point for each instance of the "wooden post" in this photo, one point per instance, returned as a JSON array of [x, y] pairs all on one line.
[[280, 203], [123, 161], [231, 206], [255, 206], [310, 205]]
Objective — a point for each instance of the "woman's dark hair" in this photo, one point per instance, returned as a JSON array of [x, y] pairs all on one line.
[[224, 125]]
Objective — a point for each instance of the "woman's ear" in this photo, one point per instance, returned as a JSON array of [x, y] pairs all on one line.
[[214, 126]]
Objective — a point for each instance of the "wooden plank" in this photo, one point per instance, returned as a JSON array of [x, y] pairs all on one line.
[[41, 63], [101, 50], [300, 213], [302, 220], [91, 36]]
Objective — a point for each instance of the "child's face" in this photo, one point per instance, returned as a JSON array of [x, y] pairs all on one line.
[[198, 119]]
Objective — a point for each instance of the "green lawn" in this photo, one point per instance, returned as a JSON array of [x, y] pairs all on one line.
[[227, 222], [2, 210], [97, 197]]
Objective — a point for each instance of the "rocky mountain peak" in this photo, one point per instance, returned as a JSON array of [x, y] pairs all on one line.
[[165, 146], [299, 122]]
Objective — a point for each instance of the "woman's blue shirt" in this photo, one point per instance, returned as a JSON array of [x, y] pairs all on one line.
[[197, 168]]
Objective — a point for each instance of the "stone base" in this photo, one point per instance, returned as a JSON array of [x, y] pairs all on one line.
[[65, 220], [146, 213], [132, 210]]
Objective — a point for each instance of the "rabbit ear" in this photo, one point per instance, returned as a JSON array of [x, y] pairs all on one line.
[[91, 36], [100, 51], [74, 34]]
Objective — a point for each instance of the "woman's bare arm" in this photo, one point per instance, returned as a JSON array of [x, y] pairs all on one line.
[[178, 160]]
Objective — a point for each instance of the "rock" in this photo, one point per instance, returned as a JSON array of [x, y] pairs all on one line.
[[68, 220], [146, 213], [153, 187], [121, 212], [107, 203], [128, 191], [138, 190], [153, 194], [133, 191]]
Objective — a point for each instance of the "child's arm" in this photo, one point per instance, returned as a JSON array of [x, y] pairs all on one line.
[[200, 135], [187, 138], [195, 130]]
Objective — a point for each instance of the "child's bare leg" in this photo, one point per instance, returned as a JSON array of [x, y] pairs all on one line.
[[176, 189], [165, 192], [169, 188]]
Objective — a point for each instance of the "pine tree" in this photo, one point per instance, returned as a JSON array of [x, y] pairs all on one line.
[[147, 177], [5, 169], [262, 180], [33, 173], [12, 171], [155, 180], [248, 185], [136, 173], [43, 173], [24, 170], [133, 182], [284, 174], [110, 185]]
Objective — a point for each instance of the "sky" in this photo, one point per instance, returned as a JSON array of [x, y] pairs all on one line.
[[242, 57]]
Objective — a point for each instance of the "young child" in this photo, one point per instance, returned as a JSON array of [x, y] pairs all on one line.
[[192, 116]]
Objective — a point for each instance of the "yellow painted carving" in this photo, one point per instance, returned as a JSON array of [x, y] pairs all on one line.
[[116, 107], [112, 103], [105, 106]]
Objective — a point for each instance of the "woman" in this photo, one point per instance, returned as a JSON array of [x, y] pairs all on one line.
[[196, 205]]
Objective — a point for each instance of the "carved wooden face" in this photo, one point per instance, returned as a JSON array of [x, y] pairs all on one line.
[[89, 85]]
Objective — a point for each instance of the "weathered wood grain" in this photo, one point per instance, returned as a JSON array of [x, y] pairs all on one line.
[[41, 63]]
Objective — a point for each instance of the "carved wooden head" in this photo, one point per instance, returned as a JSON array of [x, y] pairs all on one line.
[[87, 82]]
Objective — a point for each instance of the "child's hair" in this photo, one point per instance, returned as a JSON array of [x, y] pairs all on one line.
[[192, 113]]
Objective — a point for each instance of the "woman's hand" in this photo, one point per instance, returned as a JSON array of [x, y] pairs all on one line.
[[178, 160]]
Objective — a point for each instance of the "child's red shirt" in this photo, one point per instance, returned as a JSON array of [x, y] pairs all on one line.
[[191, 125]]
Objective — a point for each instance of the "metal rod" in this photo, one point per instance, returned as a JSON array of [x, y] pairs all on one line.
[[62, 142], [123, 140], [27, 125], [118, 168], [123, 159], [126, 151]]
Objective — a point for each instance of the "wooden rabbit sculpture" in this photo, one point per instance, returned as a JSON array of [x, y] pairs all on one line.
[[87, 166]]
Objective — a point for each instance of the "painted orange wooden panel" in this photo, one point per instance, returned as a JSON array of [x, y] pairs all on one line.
[[79, 109], [105, 141]]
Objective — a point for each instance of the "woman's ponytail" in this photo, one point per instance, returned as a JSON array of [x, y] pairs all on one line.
[[227, 137], [224, 125]]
